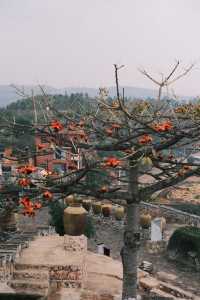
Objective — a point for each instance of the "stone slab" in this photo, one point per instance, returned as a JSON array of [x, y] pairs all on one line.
[[168, 277], [149, 283]]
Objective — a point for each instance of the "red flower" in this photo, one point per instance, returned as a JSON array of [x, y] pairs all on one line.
[[47, 195], [145, 139], [24, 182], [164, 126], [112, 162], [56, 125], [26, 202], [37, 205], [27, 169], [29, 211]]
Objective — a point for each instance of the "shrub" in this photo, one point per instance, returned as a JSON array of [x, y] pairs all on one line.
[[185, 239]]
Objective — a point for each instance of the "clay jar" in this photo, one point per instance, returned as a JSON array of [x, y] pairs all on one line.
[[87, 204], [106, 210], [96, 207], [69, 200], [119, 213], [145, 220], [74, 218]]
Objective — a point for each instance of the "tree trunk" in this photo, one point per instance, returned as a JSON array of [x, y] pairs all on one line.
[[131, 240]]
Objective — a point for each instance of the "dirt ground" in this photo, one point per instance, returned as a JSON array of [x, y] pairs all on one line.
[[187, 278]]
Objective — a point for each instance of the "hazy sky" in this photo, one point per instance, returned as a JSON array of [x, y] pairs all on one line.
[[76, 42]]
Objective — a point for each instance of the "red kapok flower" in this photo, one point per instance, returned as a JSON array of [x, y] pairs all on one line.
[[47, 195], [25, 201], [30, 169], [37, 205], [145, 139], [29, 211], [24, 182], [164, 126], [27, 169], [56, 125], [112, 162]]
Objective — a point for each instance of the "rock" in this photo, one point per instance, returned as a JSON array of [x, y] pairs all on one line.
[[161, 295], [166, 276], [142, 274], [169, 288], [146, 266], [149, 283]]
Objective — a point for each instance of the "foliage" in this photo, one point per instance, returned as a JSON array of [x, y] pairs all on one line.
[[56, 209], [22, 112], [90, 228], [185, 239]]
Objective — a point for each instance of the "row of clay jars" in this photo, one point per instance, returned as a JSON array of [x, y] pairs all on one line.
[[97, 207], [105, 209]]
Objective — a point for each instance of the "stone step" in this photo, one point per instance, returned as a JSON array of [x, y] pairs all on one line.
[[30, 287], [176, 291], [158, 294], [30, 274], [21, 266]]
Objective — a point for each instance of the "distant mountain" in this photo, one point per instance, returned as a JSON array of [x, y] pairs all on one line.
[[9, 94]]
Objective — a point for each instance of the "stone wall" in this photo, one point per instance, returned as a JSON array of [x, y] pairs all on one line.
[[171, 214], [72, 275], [67, 276]]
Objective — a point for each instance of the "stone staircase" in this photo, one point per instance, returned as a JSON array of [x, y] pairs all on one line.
[[29, 280]]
